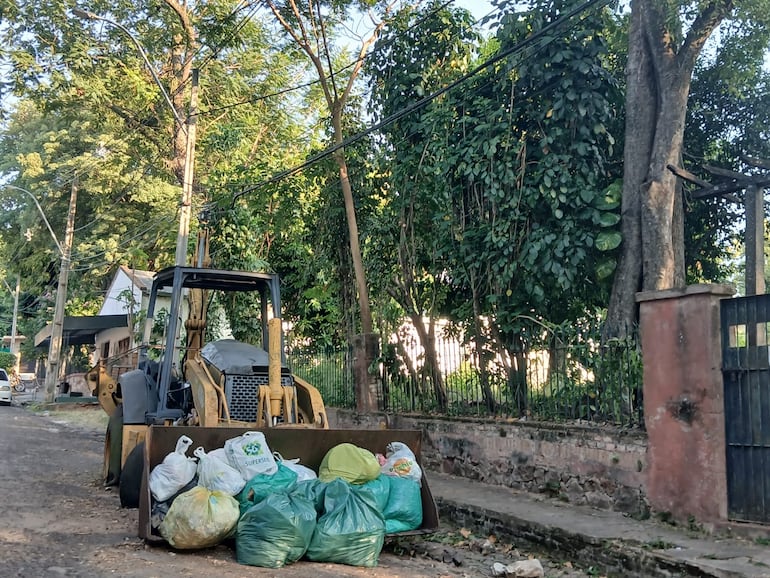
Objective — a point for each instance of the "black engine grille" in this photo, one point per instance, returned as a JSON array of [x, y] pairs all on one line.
[[241, 391]]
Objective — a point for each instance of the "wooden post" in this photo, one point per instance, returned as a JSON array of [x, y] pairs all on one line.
[[755, 241]]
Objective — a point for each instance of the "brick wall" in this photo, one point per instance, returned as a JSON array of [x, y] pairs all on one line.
[[602, 467]]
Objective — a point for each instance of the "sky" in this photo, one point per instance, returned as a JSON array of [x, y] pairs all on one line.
[[479, 8]]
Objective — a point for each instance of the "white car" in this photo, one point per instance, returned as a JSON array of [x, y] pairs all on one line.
[[5, 388]]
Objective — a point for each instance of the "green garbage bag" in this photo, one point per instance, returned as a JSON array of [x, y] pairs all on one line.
[[312, 490], [262, 485], [349, 462], [351, 530], [276, 531], [380, 490], [403, 511]]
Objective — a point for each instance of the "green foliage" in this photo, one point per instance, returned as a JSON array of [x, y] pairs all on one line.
[[562, 206], [728, 112], [502, 197], [497, 200], [89, 106], [7, 360], [463, 384]]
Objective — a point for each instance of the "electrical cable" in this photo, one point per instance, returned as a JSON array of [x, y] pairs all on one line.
[[310, 83], [429, 98]]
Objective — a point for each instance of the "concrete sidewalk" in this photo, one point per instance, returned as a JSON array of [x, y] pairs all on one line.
[[618, 544]]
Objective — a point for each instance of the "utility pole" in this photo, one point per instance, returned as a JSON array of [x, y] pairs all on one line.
[[185, 211], [53, 367], [14, 347], [188, 126], [14, 344]]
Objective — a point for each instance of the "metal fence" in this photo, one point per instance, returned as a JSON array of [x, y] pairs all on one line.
[[558, 376], [330, 370]]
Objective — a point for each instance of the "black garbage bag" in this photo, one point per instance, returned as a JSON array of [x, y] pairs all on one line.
[[160, 509]]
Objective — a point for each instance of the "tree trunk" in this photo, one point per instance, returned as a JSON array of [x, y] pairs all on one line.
[[430, 368], [412, 383], [658, 79], [350, 212], [515, 366], [347, 291], [481, 350], [640, 120]]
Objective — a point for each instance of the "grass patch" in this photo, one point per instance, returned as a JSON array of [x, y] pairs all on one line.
[[658, 545], [89, 417]]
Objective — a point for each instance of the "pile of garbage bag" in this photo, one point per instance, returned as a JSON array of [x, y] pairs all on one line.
[[278, 510]]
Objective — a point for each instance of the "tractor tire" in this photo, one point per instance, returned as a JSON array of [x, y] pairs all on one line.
[[131, 477], [113, 442]]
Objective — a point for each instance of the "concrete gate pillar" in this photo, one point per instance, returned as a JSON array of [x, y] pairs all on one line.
[[683, 401]]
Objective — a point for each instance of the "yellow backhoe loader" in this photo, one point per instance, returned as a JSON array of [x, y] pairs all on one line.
[[214, 391], [222, 383]]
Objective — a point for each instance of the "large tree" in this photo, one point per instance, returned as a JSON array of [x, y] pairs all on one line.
[[311, 27], [420, 53], [665, 41], [499, 190], [93, 87]]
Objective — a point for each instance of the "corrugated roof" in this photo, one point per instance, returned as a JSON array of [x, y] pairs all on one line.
[[140, 278], [81, 330]]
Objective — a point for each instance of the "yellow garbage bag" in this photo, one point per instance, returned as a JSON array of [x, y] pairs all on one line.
[[200, 518], [351, 463]]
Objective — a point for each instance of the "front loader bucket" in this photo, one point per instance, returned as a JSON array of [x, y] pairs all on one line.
[[309, 445]]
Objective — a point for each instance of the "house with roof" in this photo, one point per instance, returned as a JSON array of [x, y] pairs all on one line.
[[113, 332], [127, 296]]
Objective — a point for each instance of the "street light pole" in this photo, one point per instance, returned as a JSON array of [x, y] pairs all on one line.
[[42, 214], [91, 16], [188, 127], [53, 364]]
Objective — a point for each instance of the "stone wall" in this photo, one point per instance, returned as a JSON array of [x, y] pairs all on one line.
[[602, 467]]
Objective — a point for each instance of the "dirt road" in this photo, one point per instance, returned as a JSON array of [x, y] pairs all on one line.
[[58, 520]]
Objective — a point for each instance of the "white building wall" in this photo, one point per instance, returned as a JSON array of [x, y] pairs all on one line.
[[113, 303], [113, 337]]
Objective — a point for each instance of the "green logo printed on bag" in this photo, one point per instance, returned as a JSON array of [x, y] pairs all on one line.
[[252, 449]]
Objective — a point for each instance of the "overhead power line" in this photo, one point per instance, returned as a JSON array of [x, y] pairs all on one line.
[[429, 98], [310, 83]]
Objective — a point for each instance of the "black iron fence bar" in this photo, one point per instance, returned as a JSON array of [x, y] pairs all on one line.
[[552, 379]]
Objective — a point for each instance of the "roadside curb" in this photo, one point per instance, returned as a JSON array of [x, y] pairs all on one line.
[[612, 556], [614, 544]]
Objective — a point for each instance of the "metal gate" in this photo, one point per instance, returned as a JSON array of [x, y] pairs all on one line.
[[746, 372]]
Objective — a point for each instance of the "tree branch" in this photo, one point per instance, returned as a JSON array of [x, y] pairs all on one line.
[[755, 162], [705, 23]]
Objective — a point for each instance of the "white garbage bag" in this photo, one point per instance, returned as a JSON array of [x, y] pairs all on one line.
[[250, 455], [174, 472], [303, 472], [215, 474], [401, 461]]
